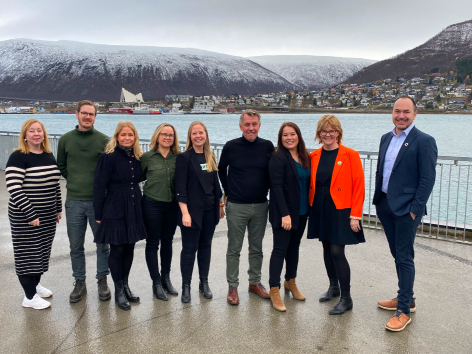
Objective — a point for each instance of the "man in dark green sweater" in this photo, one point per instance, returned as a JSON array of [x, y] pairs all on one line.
[[77, 156]]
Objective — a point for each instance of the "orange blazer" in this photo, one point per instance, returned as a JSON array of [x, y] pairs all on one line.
[[347, 184]]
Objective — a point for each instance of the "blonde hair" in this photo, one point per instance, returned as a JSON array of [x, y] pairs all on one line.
[[209, 155], [23, 145], [323, 123], [137, 151], [154, 144]]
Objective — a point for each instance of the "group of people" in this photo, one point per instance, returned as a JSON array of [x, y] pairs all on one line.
[[322, 192]]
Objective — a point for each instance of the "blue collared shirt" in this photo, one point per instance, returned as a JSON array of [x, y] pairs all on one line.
[[392, 153]]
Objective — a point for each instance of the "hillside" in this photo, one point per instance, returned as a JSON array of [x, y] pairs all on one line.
[[65, 70], [441, 51], [312, 72]]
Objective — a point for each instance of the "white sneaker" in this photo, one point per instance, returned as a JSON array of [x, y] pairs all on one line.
[[42, 291], [37, 302]]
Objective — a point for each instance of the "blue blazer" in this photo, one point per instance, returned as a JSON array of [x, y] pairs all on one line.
[[413, 174]]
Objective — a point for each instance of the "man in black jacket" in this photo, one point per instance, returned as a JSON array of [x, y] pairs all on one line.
[[243, 171]]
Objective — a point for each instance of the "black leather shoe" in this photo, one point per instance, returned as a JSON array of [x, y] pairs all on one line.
[[205, 288], [158, 290], [344, 304], [120, 297], [186, 291], [129, 295], [167, 285], [333, 291]]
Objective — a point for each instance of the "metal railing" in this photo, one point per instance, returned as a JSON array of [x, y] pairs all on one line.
[[449, 206]]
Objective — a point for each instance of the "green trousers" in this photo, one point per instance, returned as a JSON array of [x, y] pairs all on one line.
[[239, 217]]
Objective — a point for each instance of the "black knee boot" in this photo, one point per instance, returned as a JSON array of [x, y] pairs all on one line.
[[129, 295], [333, 291], [167, 285], [186, 291], [120, 297], [344, 304], [205, 288], [158, 290]]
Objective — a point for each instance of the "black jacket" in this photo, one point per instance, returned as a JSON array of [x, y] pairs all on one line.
[[189, 189], [284, 189]]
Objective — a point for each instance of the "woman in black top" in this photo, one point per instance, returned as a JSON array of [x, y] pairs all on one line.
[[117, 205], [289, 171], [199, 195], [34, 208]]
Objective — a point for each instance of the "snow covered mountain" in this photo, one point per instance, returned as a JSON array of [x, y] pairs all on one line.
[[441, 52], [312, 72], [66, 70]]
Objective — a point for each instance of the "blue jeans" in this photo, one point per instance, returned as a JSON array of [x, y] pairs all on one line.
[[77, 213], [401, 232]]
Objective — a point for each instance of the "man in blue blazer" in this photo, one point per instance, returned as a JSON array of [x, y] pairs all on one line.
[[405, 176]]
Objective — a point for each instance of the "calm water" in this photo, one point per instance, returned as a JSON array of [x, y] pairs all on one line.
[[361, 131], [452, 195]]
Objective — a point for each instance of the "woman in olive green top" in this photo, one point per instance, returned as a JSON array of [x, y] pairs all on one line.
[[159, 205]]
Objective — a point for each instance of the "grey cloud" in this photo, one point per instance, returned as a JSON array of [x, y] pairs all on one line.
[[365, 29]]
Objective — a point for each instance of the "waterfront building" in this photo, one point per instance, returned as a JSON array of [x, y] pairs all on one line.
[[128, 97]]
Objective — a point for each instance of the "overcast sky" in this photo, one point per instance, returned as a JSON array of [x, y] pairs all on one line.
[[344, 28]]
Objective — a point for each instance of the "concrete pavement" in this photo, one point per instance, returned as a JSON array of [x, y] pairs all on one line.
[[442, 323]]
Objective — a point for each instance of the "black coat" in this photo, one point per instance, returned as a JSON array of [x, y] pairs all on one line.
[[284, 189], [117, 199], [189, 189]]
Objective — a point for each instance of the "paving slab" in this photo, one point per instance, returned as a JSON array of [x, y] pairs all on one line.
[[441, 324]]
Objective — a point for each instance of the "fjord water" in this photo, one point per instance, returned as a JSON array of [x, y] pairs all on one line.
[[361, 131], [452, 195]]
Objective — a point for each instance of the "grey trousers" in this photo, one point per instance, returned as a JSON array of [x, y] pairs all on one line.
[[239, 217]]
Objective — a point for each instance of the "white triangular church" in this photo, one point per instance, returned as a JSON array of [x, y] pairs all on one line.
[[128, 97]]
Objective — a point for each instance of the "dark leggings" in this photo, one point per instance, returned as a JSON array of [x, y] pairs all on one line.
[[197, 241], [120, 261], [336, 264], [29, 283]]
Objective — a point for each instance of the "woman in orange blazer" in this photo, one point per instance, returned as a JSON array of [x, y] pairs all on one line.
[[336, 198]]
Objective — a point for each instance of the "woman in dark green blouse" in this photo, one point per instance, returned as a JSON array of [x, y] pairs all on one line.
[[159, 205]]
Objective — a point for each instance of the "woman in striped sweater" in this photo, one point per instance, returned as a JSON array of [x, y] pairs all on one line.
[[34, 208]]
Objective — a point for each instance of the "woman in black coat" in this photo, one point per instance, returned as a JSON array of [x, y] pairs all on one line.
[[199, 195], [289, 172], [117, 205]]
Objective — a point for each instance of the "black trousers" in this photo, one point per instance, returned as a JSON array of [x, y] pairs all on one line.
[[400, 232], [160, 219], [286, 247], [197, 241]]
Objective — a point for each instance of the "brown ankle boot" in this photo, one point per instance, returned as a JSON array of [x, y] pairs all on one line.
[[277, 302], [292, 287]]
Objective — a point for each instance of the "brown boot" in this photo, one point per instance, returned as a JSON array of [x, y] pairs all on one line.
[[277, 302], [292, 287], [233, 298]]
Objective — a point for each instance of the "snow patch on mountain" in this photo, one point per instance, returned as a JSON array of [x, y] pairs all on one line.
[[312, 72]]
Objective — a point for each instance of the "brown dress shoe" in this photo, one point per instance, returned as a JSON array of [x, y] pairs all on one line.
[[398, 322], [291, 286], [391, 305], [277, 302], [233, 298], [259, 290]]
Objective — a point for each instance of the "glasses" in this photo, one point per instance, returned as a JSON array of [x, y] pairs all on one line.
[[88, 114], [164, 135], [328, 132]]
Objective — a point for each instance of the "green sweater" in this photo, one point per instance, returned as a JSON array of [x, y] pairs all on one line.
[[159, 173], [77, 156]]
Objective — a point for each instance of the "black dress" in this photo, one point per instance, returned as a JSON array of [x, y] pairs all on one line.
[[326, 222], [117, 199]]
